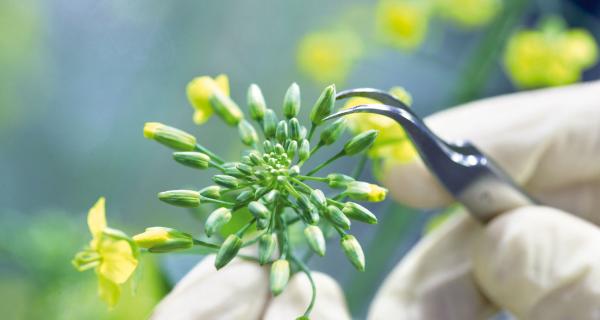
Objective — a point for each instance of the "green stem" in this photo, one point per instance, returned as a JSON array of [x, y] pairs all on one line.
[[303, 185], [360, 166], [311, 131], [206, 244], [202, 149], [225, 203], [313, 287], [326, 163], [243, 230], [315, 149], [320, 179]]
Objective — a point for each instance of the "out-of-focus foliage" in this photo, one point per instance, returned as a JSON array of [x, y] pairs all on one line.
[[328, 56], [38, 282], [468, 13], [549, 55]]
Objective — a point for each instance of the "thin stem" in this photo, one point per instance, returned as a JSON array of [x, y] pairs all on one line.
[[311, 131], [315, 149], [203, 149], [206, 244], [303, 185], [225, 203], [313, 296], [360, 166], [243, 230], [324, 164], [253, 241], [216, 165], [320, 179]]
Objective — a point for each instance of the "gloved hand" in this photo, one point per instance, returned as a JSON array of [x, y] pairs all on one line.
[[537, 262]]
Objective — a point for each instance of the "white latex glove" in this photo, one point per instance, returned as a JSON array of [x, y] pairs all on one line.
[[536, 262], [241, 291]]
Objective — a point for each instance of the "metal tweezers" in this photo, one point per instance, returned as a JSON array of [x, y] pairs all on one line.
[[470, 176]]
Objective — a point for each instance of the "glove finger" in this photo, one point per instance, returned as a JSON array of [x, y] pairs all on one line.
[[582, 199], [330, 303], [540, 263], [434, 281], [238, 291], [544, 139]]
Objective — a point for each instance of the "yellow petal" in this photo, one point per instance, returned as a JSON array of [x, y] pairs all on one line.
[[201, 116], [97, 218], [223, 83], [118, 261], [108, 291]]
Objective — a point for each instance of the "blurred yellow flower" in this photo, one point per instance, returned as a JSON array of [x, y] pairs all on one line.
[[200, 90], [111, 253], [392, 143], [549, 56], [328, 56], [402, 23], [469, 13]]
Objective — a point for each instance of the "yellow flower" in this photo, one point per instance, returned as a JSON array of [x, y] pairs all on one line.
[[328, 56], [392, 143], [161, 239], [200, 90], [549, 55], [469, 13], [111, 253], [402, 23]]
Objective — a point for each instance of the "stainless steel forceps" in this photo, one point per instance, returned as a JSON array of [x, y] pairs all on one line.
[[467, 174]]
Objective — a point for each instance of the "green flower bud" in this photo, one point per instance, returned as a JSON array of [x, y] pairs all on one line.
[[324, 105], [256, 158], [226, 181], [333, 132], [244, 196], [192, 159], [181, 198], [353, 251], [228, 251], [246, 160], [262, 223], [244, 168], [360, 142], [294, 127], [270, 197], [266, 247], [279, 149], [247, 133], [338, 180], [318, 199], [267, 146], [357, 212], [292, 148], [291, 101], [259, 210], [365, 191], [216, 220], [337, 217], [310, 213], [161, 239], [256, 103], [233, 171], [315, 239], [270, 123], [226, 108], [282, 131], [304, 150], [169, 136], [303, 133], [213, 192], [280, 274], [294, 171]]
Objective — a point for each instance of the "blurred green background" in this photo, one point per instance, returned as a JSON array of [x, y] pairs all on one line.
[[78, 79]]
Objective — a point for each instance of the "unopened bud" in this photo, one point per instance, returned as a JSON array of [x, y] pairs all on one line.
[[291, 101], [338, 180], [213, 192], [280, 274], [270, 197], [270, 123], [357, 212], [216, 220], [266, 247], [181, 198], [226, 181], [267, 146], [353, 251], [315, 239], [192, 159], [169, 136], [324, 105], [360, 142], [294, 126], [279, 149], [310, 213], [228, 250], [294, 171], [304, 150], [337, 217], [231, 169], [292, 148], [244, 196], [226, 108], [318, 199], [256, 158], [247, 133], [259, 210], [333, 131], [282, 131], [244, 168], [256, 103], [161, 239], [365, 191]]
